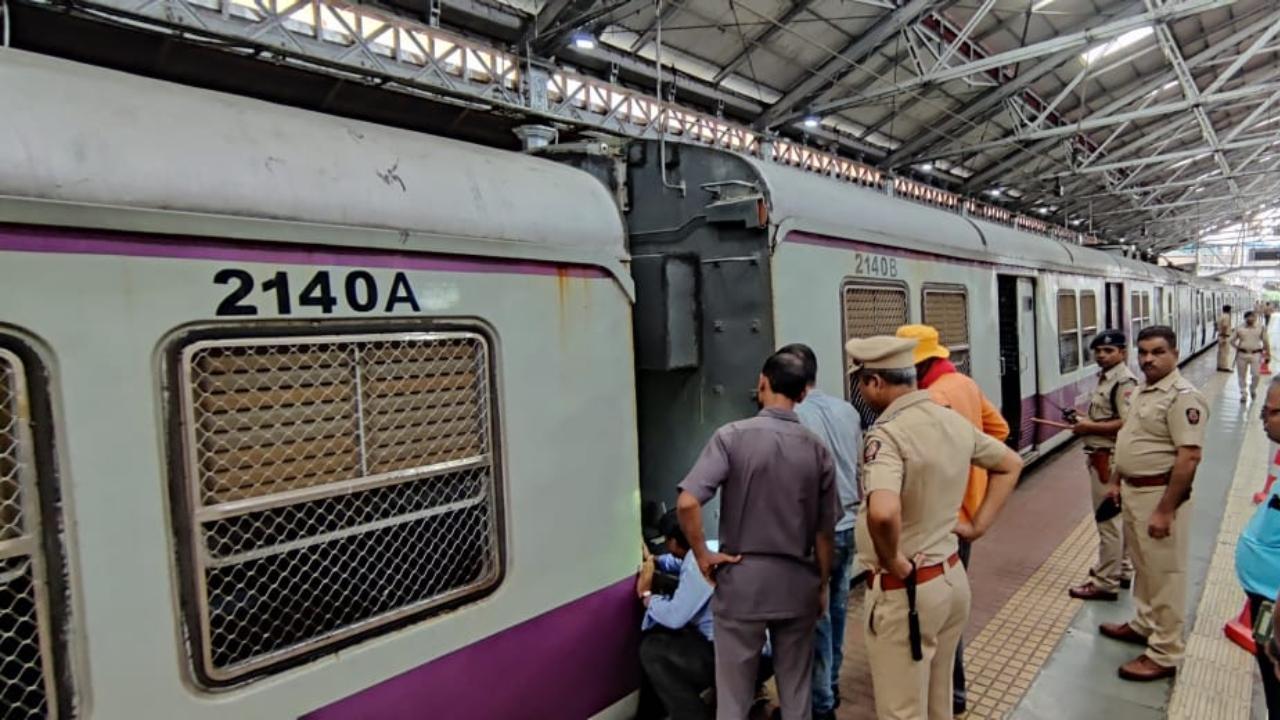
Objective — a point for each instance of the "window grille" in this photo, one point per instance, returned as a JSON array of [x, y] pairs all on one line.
[[1135, 315], [336, 484], [27, 685], [1088, 319], [1068, 332], [947, 310], [871, 310]]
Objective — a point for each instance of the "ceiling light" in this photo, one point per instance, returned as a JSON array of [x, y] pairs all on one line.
[[1123, 41], [926, 167], [1040, 5], [1042, 210], [812, 121], [583, 41], [995, 191]]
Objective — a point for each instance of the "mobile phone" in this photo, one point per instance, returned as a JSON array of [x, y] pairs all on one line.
[[1262, 625]]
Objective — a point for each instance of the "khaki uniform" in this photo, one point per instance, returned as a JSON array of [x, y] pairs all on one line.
[[1113, 562], [1163, 417], [920, 451], [1250, 344], [1224, 341]]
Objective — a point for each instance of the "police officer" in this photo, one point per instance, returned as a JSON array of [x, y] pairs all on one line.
[[1250, 342], [1224, 339], [1157, 452], [914, 471], [1108, 407]]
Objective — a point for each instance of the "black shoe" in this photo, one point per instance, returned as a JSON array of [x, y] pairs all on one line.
[[958, 707], [828, 715], [1126, 583]]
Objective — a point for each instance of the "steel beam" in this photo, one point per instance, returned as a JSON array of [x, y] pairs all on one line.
[[849, 57], [1071, 41], [665, 14], [795, 10]]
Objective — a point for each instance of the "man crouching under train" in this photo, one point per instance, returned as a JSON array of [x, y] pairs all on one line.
[[915, 469]]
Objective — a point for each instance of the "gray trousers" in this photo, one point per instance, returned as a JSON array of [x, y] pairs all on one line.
[[738, 646]]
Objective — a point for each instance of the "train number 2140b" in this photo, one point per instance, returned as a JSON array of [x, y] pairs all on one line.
[[877, 265], [358, 291]]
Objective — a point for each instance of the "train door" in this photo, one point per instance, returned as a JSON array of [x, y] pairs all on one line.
[[1018, 376], [1115, 306]]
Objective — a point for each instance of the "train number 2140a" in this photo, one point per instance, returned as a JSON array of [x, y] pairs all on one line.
[[357, 291], [877, 265]]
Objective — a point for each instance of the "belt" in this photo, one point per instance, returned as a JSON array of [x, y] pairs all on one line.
[[1147, 480], [1249, 352], [923, 575], [1095, 451]]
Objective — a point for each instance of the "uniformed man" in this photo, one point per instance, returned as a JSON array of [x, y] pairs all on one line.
[[915, 468], [1108, 407], [1251, 344], [1224, 339], [1157, 452], [777, 518]]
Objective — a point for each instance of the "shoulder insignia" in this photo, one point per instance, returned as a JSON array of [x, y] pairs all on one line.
[[870, 450], [1193, 416]]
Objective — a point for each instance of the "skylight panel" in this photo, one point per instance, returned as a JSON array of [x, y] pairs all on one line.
[[1123, 41]]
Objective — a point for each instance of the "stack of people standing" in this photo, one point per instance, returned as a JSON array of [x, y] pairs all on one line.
[[808, 499]]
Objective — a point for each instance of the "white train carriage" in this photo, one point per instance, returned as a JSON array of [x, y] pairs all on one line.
[[302, 416], [734, 256]]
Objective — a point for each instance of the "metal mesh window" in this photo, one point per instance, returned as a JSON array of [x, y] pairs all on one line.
[[948, 311], [1135, 314], [1088, 318], [872, 310], [27, 688], [1068, 332], [337, 484]]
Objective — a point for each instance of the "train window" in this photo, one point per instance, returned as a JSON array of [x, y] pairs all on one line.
[[1088, 318], [28, 688], [872, 309], [947, 309], [1135, 314], [1068, 332], [336, 484]]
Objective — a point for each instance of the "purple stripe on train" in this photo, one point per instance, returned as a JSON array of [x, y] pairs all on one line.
[[20, 238], [570, 662]]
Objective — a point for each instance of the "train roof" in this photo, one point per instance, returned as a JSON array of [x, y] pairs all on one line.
[[805, 201], [97, 137]]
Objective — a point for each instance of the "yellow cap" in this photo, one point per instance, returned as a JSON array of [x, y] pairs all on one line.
[[880, 352], [926, 337]]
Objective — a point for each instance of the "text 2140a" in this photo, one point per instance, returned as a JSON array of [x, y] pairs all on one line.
[[357, 291]]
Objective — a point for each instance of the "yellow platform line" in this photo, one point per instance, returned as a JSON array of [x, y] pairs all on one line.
[[1216, 679]]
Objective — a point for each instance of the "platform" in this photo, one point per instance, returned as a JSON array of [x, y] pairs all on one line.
[[1034, 653]]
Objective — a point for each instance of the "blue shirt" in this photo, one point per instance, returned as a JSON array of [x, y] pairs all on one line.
[[691, 603], [838, 426], [1258, 549]]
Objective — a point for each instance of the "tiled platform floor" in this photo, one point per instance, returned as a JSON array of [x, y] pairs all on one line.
[[1043, 543]]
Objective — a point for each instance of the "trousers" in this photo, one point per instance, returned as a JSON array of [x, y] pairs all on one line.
[[1160, 574], [1114, 564], [828, 636], [738, 644], [680, 666], [907, 689], [1246, 363], [1224, 353]]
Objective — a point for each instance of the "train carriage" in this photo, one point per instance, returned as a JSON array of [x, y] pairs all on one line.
[[735, 256], [304, 415]]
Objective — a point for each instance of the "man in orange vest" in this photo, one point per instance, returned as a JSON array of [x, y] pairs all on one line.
[[950, 388]]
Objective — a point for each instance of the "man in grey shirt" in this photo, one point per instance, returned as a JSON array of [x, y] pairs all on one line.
[[777, 517], [838, 426]]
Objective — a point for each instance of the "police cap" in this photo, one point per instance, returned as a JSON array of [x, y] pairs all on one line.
[[881, 352], [1114, 338]]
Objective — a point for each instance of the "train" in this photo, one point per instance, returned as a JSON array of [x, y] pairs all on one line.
[[307, 417]]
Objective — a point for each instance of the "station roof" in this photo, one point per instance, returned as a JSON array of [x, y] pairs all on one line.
[[1149, 121]]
